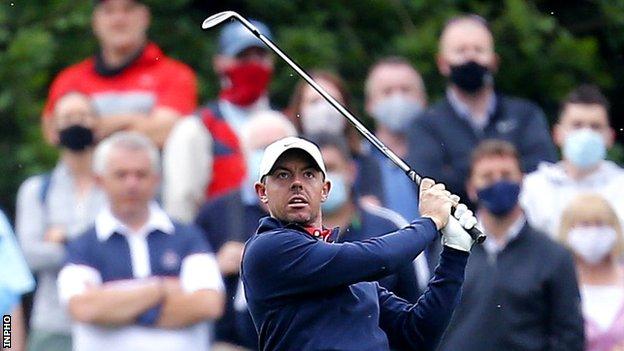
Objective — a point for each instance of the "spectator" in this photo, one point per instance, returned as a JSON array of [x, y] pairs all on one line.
[[134, 86], [203, 157], [583, 133], [395, 97], [590, 227], [312, 115], [441, 141], [361, 221], [229, 220], [15, 281], [137, 281], [520, 291], [55, 207]]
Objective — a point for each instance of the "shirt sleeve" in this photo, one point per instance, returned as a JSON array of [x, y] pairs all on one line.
[[287, 262], [74, 279], [199, 267], [78, 273], [187, 169], [420, 326], [30, 226], [179, 92], [20, 280]]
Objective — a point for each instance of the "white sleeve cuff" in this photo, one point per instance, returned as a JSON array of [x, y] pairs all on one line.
[[200, 271], [74, 279]]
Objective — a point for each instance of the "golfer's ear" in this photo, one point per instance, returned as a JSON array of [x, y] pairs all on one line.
[[325, 190], [261, 192]]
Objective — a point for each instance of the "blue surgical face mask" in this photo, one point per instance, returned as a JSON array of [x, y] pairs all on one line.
[[584, 148], [253, 172], [338, 194], [499, 198], [396, 112]]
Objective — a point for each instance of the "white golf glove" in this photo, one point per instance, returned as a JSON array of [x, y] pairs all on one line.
[[454, 233]]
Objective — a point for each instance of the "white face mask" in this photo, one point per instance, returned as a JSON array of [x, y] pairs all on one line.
[[592, 244], [321, 117]]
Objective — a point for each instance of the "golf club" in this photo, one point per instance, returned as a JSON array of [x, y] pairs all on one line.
[[220, 17]]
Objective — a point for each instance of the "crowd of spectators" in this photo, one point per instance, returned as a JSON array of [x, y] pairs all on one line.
[[135, 237]]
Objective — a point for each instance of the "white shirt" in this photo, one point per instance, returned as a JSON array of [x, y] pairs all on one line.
[[198, 271], [493, 246], [547, 191]]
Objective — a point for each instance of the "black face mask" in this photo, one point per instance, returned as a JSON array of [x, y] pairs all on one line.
[[470, 76], [76, 137]]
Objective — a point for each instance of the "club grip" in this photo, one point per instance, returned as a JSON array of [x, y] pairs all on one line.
[[474, 232]]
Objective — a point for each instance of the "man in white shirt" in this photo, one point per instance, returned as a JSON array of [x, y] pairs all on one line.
[[584, 135], [137, 280]]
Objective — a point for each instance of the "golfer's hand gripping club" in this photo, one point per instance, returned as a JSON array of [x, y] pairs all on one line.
[[461, 219]]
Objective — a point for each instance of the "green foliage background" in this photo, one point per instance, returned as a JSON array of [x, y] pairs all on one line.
[[546, 48]]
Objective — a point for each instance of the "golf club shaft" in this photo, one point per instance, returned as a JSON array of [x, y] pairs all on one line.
[[474, 232]]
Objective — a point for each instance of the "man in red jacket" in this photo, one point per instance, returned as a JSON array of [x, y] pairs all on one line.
[[133, 85], [203, 157]]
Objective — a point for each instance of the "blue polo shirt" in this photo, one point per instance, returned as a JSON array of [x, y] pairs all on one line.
[[115, 256], [307, 294]]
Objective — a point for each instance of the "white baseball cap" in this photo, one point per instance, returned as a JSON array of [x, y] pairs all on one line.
[[277, 149]]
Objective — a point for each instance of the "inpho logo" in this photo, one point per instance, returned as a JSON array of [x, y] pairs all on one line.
[[6, 331]]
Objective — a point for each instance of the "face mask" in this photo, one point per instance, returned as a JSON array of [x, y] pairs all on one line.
[[253, 172], [584, 148], [499, 198], [338, 194], [592, 244], [248, 81], [470, 76], [396, 112], [76, 137], [321, 117]]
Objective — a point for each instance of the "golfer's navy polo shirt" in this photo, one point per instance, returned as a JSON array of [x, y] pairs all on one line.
[[306, 294]]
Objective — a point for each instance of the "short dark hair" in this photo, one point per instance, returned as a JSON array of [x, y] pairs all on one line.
[[586, 94], [493, 148]]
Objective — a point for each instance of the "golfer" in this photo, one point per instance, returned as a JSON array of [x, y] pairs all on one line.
[[307, 293]]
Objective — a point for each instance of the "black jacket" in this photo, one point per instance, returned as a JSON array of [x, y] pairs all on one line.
[[441, 141], [524, 299]]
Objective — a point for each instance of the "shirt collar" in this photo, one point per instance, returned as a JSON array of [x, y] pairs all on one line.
[[493, 246], [269, 224], [464, 112], [106, 223]]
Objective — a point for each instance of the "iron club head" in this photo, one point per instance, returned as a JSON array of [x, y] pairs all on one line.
[[217, 18]]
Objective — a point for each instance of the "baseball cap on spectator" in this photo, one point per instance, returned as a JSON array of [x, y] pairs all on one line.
[[235, 38], [273, 152]]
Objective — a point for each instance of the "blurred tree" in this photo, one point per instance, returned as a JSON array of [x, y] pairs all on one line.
[[546, 48]]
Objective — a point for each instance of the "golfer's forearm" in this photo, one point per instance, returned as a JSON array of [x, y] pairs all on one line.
[[311, 266], [114, 306]]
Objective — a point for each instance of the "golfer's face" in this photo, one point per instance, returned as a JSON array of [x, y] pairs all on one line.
[[295, 189]]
